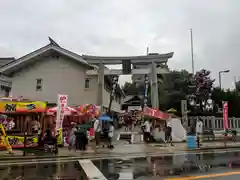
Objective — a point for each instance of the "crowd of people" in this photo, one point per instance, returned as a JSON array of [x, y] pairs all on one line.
[[148, 129], [80, 134]]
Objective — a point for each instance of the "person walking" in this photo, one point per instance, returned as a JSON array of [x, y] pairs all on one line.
[[97, 129], [147, 130], [169, 133], [110, 135], [78, 138], [83, 136], [199, 131], [72, 137]]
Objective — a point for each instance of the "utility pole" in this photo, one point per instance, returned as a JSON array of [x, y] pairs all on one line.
[[191, 36], [147, 50]]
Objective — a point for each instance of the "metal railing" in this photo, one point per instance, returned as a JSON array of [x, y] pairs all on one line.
[[216, 123]]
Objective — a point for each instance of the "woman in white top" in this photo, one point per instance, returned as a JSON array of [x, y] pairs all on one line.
[[72, 137], [110, 134]]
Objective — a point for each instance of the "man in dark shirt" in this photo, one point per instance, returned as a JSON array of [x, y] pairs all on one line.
[[169, 133]]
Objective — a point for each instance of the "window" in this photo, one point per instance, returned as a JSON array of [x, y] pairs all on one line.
[[39, 85], [87, 83]]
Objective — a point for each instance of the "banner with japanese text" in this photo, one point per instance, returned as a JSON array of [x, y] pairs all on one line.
[[61, 107], [225, 115], [22, 107]]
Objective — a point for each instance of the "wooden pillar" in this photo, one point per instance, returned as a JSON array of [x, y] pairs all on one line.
[[21, 120]]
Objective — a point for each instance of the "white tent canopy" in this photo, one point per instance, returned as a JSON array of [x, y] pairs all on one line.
[[178, 131]]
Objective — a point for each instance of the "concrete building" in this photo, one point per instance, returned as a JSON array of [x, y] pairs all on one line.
[[5, 82], [42, 74]]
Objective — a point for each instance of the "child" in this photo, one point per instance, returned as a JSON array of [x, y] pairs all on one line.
[[110, 135]]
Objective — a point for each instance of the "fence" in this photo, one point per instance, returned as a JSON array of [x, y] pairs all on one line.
[[215, 123]]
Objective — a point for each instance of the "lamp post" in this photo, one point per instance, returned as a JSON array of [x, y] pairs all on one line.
[[219, 76]]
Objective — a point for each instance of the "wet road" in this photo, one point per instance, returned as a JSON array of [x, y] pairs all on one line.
[[43, 171], [176, 167], [186, 166]]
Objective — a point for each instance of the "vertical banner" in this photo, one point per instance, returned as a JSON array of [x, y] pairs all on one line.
[[146, 81], [61, 107], [184, 114], [225, 115]]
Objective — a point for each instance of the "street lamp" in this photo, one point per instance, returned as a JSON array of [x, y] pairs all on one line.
[[219, 76]]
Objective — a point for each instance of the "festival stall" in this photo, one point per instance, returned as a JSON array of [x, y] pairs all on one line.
[[160, 118], [89, 111], [23, 116], [66, 114], [70, 115]]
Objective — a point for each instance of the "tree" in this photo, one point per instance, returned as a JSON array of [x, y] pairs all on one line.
[[176, 88], [237, 85], [132, 89], [172, 89], [201, 88]]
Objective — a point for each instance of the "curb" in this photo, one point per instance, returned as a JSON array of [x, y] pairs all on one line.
[[106, 155], [213, 148]]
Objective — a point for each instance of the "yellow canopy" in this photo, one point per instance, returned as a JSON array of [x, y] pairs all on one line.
[[172, 110]]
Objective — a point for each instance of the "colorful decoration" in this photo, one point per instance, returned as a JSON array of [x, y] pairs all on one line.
[[81, 108], [89, 109], [16, 107]]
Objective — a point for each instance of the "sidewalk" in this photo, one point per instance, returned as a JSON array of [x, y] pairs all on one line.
[[120, 150]]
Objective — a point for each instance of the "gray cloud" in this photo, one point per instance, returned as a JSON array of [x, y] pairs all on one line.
[[126, 27]]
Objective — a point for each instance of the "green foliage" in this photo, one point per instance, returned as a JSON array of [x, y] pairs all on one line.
[[132, 89], [233, 98], [175, 87]]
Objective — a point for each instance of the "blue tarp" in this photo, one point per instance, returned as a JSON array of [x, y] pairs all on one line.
[[105, 118]]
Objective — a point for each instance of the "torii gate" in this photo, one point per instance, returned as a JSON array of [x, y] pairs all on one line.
[[150, 61]]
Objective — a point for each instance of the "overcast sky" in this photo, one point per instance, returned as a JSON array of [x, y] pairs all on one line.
[[127, 27]]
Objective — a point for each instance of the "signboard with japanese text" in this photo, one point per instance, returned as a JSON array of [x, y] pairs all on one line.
[[61, 107], [18, 142], [18, 107]]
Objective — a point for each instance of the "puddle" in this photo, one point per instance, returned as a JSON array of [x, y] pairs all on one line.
[[50, 171], [168, 166]]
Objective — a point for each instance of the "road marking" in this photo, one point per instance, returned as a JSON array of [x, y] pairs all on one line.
[[206, 176], [91, 170]]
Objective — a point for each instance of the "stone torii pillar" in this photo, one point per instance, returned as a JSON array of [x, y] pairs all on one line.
[[100, 85], [144, 62], [154, 88]]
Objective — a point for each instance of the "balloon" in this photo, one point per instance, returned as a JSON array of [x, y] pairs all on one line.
[[89, 109], [81, 109], [96, 113]]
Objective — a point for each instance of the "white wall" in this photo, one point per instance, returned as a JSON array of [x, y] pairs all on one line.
[[60, 75]]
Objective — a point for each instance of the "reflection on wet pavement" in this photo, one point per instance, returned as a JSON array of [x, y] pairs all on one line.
[[168, 166], [142, 168], [50, 171]]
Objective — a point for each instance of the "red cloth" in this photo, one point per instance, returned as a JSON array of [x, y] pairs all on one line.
[[92, 132], [155, 113]]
